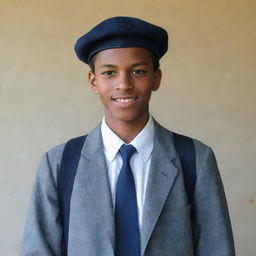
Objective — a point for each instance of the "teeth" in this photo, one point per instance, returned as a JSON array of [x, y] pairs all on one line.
[[125, 100]]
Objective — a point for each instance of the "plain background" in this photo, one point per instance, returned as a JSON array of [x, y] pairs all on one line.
[[208, 92]]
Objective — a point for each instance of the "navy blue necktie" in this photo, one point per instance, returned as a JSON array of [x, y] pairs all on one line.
[[126, 215]]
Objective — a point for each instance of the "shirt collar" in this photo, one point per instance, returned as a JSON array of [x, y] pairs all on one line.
[[111, 141], [143, 142]]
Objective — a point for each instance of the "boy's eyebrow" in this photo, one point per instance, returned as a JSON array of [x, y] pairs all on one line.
[[107, 66], [142, 63]]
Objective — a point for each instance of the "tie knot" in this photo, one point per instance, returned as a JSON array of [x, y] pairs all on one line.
[[126, 152]]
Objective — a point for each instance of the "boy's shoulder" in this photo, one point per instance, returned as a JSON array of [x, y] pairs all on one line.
[[55, 153], [199, 145]]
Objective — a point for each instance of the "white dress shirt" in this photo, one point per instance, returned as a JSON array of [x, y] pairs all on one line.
[[140, 160]]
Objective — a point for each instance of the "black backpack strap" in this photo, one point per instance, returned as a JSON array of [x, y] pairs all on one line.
[[65, 181], [186, 151]]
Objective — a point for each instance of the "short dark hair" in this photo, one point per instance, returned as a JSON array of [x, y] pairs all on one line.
[[155, 61]]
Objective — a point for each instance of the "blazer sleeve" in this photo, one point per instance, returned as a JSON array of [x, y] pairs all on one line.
[[212, 228], [43, 231]]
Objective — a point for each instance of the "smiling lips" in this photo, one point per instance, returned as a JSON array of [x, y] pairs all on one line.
[[124, 99]]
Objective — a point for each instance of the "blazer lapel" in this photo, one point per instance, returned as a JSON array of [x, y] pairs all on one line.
[[97, 187], [162, 174]]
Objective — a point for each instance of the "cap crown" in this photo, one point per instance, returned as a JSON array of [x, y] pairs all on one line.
[[121, 32]]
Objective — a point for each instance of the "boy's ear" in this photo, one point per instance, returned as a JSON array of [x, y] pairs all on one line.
[[157, 79], [93, 82]]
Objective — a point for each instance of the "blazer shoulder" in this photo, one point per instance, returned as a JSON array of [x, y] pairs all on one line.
[[54, 154], [202, 150], [166, 137], [199, 145]]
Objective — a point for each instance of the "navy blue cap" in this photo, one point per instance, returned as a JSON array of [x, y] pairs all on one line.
[[122, 32]]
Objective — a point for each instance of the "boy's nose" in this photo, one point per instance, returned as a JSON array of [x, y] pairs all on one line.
[[125, 82]]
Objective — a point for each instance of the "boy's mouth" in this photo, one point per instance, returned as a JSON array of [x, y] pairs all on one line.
[[124, 99]]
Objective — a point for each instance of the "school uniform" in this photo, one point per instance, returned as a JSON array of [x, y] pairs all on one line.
[[166, 226]]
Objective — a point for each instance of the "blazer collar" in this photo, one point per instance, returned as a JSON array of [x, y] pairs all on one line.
[[93, 143], [98, 192], [162, 174]]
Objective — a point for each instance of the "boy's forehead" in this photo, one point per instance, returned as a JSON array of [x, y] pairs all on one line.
[[122, 32], [122, 58]]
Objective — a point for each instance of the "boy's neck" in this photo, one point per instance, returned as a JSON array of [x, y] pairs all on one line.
[[127, 130]]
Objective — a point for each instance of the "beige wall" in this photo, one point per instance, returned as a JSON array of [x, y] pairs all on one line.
[[208, 92]]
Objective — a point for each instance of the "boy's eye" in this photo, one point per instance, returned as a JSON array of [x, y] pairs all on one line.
[[138, 72], [108, 73]]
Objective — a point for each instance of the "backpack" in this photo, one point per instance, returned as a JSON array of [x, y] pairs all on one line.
[[68, 167]]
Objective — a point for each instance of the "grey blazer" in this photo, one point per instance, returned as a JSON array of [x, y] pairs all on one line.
[[166, 227]]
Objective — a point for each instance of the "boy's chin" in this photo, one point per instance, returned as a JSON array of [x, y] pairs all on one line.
[[133, 118]]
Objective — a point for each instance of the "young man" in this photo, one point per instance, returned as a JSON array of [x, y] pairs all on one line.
[[129, 194]]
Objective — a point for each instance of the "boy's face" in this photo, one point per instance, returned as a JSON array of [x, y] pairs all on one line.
[[124, 79]]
